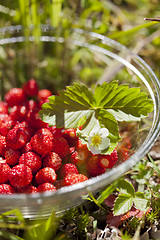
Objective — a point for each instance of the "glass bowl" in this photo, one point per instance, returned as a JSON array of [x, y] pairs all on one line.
[[59, 57]]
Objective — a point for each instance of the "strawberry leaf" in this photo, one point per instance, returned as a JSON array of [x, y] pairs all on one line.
[[126, 187], [78, 106], [122, 204], [140, 201]]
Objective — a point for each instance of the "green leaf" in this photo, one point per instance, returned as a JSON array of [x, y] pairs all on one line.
[[123, 204], [140, 201], [77, 105], [156, 168], [105, 194], [126, 187], [121, 116]]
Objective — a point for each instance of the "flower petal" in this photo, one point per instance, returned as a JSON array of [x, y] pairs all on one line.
[[94, 149], [104, 132], [94, 131], [104, 143]]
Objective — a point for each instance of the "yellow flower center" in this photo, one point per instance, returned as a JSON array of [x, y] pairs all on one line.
[[96, 140]]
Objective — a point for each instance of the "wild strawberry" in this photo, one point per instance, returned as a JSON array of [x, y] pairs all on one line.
[[5, 171], [42, 101], [12, 156], [31, 88], [32, 160], [20, 176], [2, 144], [123, 149], [27, 148], [70, 136], [26, 128], [6, 126], [18, 113], [46, 187], [31, 105], [16, 96], [68, 168], [61, 147], [42, 141], [109, 160], [46, 175], [2, 160], [57, 132], [83, 153], [123, 154], [59, 183], [6, 189], [52, 160], [93, 167], [3, 107], [28, 189], [44, 93], [34, 120], [71, 179], [16, 138], [4, 117], [73, 158]]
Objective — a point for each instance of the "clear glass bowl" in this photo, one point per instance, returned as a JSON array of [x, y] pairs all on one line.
[[53, 61]]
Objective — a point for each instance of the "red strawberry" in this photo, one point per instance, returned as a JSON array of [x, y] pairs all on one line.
[[68, 168], [61, 147], [6, 126], [28, 189], [70, 136], [83, 153], [2, 144], [6, 189], [52, 160], [32, 160], [43, 94], [71, 179], [3, 107], [123, 154], [12, 156], [46, 187], [42, 101], [20, 176], [42, 141], [5, 171], [16, 96], [26, 128], [109, 160], [31, 88], [31, 105], [46, 175], [74, 158], [16, 138], [59, 183], [4, 117], [34, 120], [2, 160], [57, 132], [93, 167], [18, 113], [27, 148], [123, 149]]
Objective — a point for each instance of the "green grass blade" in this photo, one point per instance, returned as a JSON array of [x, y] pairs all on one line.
[[120, 34], [9, 236], [56, 7]]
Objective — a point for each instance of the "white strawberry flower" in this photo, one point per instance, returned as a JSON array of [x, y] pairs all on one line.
[[98, 140]]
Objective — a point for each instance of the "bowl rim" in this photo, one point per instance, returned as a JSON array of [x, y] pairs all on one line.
[[109, 176]]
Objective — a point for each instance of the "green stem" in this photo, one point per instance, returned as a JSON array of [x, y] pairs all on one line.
[[56, 7]]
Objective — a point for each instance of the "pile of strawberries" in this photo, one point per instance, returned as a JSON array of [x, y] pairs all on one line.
[[36, 157]]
